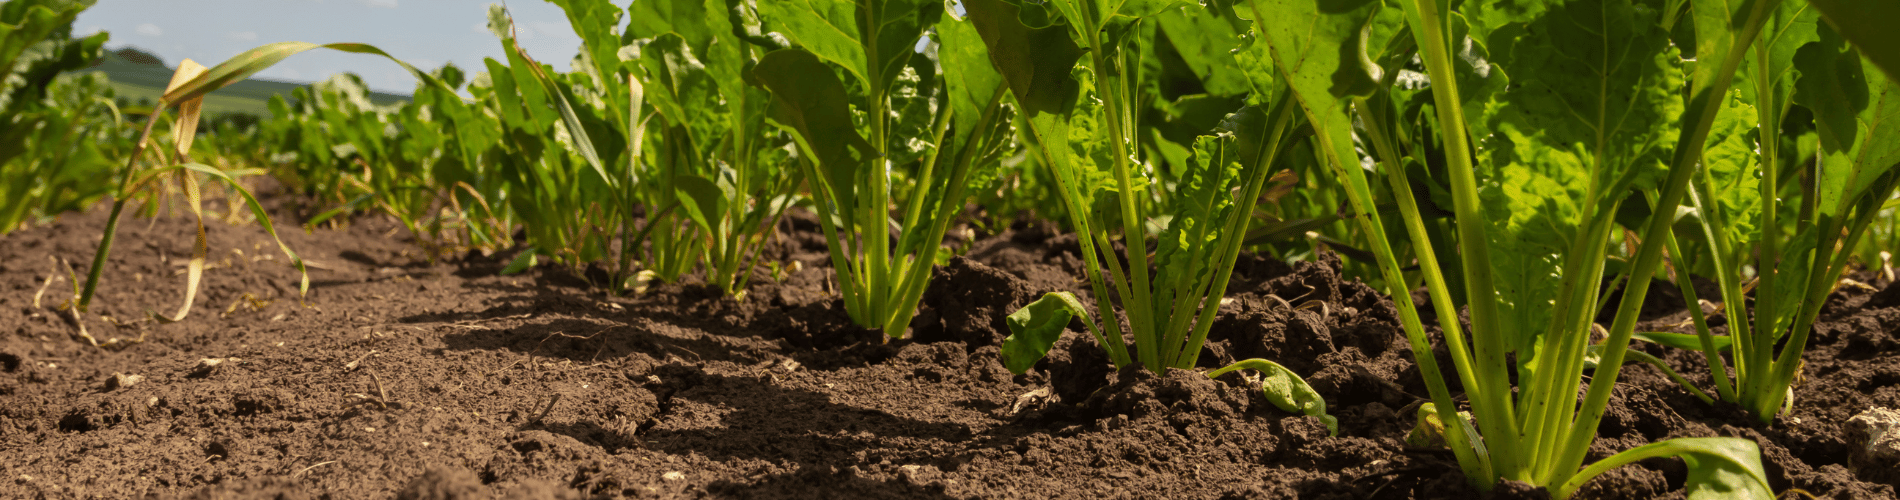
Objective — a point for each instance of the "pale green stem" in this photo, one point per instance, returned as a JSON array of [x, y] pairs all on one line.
[[1496, 414], [1141, 308]]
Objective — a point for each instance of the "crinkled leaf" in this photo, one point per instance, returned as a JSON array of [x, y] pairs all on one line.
[[834, 32], [1035, 327], [681, 89], [1199, 207], [1732, 166], [914, 100], [1430, 431], [1596, 98]]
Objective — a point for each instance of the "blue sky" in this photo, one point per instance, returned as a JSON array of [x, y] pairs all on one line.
[[425, 33]]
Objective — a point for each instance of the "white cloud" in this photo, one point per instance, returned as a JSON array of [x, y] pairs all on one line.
[[386, 4], [243, 36], [149, 29]]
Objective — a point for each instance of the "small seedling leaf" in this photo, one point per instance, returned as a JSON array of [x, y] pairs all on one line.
[[1035, 327], [521, 263], [1286, 390], [1430, 432], [1719, 467]]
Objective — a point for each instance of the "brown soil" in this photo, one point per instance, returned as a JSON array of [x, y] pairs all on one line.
[[411, 379]]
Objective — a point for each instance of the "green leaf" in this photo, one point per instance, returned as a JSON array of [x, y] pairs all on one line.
[[250, 62], [1719, 467], [526, 259], [1791, 278], [691, 19], [1039, 65], [36, 44], [704, 201], [1857, 112], [1205, 37], [967, 73], [1036, 63], [1035, 327], [596, 22], [682, 90], [1595, 100], [1732, 166], [837, 32], [1868, 23], [1317, 53], [808, 99], [1285, 390], [1792, 25]]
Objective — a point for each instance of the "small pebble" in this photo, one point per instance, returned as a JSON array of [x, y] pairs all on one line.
[[673, 476], [121, 381], [1874, 436]]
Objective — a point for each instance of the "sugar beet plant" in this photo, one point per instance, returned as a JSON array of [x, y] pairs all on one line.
[[1795, 218], [407, 160], [937, 119], [710, 156], [58, 132], [1549, 118], [1081, 117]]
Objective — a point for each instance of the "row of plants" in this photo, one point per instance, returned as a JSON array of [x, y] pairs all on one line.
[[1550, 146]]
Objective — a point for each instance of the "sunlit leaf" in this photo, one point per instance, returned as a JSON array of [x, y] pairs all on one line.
[[1285, 390], [1035, 327]]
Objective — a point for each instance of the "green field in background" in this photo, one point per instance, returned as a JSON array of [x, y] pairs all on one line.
[[135, 81]]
